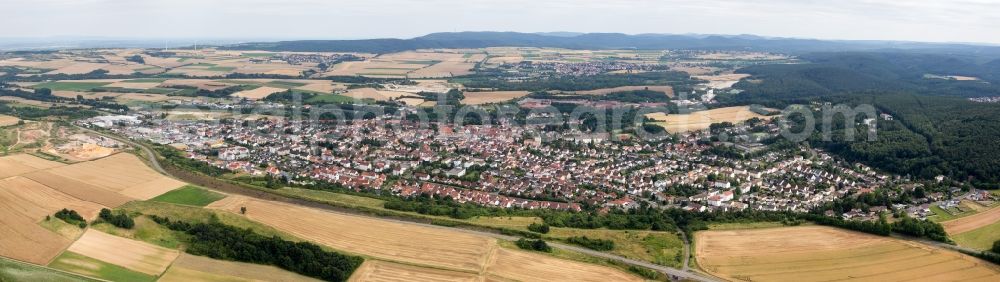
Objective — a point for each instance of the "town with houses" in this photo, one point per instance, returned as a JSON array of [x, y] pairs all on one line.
[[511, 166]]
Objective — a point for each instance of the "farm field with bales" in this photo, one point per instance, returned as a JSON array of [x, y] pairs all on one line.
[[817, 253]]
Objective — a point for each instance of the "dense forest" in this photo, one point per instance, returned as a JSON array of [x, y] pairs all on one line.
[[933, 131]]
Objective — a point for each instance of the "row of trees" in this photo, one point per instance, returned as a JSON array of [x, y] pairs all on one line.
[[220, 241], [592, 243], [534, 245]]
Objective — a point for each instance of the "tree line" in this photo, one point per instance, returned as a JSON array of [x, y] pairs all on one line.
[[220, 241]]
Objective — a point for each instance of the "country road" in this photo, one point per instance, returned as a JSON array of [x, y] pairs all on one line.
[[684, 274]]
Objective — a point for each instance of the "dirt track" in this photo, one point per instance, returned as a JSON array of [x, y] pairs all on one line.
[[972, 222]]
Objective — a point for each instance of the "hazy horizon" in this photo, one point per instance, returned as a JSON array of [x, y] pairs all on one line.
[[953, 21]]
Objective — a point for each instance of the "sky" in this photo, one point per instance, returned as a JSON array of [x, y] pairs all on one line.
[[909, 20]]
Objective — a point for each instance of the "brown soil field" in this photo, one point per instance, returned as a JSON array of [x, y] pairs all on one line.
[[8, 120], [135, 255], [381, 271], [78, 68], [20, 164], [163, 62], [322, 87], [196, 268], [972, 222], [378, 238], [703, 119], [35, 201], [479, 98], [377, 95], [819, 253], [604, 91], [131, 177], [258, 93]]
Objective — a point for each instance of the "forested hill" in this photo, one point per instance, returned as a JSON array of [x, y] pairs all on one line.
[[606, 41], [935, 129], [825, 74]]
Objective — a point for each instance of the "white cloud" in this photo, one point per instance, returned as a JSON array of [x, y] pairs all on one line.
[[919, 20]]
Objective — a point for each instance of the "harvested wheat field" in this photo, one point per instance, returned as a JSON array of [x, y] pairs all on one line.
[[378, 238], [22, 238], [21, 164], [449, 252], [24, 204], [258, 93], [8, 120], [818, 253], [479, 98], [972, 222], [135, 255], [78, 189], [525, 266], [703, 119], [131, 177], [196, 268], [34, 200], [381, 271], [604, 91]]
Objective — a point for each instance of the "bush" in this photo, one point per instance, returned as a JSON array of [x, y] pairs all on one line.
[[996, 247], [593, 244], [120, 219], [645, 272], [534, 245], [71, 217], [540, 228]]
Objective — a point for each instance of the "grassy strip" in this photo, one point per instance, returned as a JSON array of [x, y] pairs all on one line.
[[11, 270], [77, 263], [190, 195]]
